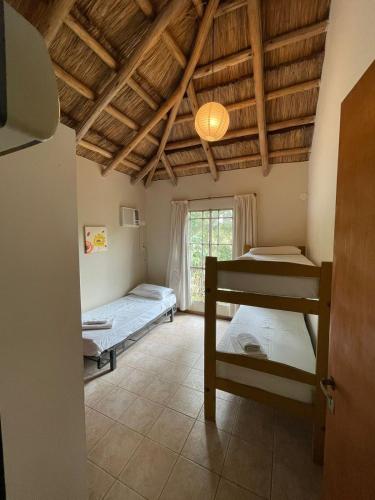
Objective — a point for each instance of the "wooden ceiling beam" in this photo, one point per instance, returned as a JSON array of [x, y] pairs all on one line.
[[200, 40], [80, 31], [148, 10], [170, 11], [87, 92], [268, 46], [240, 159], [206, 146], [52, 21], [230, 6], [106, 154], [244, 132], [198, 7], [255, 33], [270, 96]]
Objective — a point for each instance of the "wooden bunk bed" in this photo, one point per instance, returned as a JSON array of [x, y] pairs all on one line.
[[319, 306]]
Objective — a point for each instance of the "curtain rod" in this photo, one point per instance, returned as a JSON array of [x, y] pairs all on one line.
[[215, 197]]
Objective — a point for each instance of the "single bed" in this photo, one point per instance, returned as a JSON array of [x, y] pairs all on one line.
[[275, 293], [132, 316]]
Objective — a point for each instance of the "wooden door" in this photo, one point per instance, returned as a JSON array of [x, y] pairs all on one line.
[[350, 434]]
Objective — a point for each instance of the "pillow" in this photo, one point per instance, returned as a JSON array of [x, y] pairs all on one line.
[[151, 291], [285, 250]]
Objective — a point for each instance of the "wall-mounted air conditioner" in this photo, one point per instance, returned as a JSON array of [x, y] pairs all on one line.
[[129, 217]]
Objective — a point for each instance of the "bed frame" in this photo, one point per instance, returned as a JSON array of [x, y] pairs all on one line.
[[110, 355], [314, 412]]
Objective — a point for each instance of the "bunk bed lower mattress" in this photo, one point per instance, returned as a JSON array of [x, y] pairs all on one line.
[[286, 340], [129, 314]]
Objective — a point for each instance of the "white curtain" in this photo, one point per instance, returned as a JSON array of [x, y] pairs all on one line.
[[245, 223], [178, 271]]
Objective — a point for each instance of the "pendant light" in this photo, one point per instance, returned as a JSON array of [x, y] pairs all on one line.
[[212, 119]]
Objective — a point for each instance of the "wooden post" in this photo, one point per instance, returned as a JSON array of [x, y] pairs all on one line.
[[322, 360], [210, 339]]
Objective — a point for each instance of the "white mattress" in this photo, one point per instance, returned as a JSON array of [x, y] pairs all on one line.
[[129, 314], [287, 286], [286, 340]]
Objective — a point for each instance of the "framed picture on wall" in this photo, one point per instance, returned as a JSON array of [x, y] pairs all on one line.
[[96, 239]]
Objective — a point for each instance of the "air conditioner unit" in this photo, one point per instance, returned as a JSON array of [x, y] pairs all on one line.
[[29, 105], [129, 217]]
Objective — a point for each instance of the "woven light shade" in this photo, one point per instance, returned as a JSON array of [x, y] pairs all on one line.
[[212, 121]]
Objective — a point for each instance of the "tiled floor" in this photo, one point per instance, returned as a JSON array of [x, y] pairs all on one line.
[[147, 437]]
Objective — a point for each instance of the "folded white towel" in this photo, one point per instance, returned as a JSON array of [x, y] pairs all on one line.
[[97, 325], [248, 342]]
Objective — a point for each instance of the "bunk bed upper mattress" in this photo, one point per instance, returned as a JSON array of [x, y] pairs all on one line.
[[286, 340], [287, 286], [129, 314]]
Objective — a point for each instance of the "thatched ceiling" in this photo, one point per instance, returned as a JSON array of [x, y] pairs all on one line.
[[95, 39]]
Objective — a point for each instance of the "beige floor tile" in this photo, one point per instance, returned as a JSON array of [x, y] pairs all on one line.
[[149, 469], [99, 482], [160, 391], [255, 422], [171, 429], [114, 377], [227, 396], [206, 445], [121, 492], [97, 425], [135, 380], [199, 364], [115, 403], [187, 401], [173, 372], [141, 415], [295, 484], [96, 390], [230, 491], [189, 481], [226, 412], [249, 465], [114, 450], [195, 380]]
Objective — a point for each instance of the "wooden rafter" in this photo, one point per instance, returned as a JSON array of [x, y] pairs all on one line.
[[175, 98], [245, 132], [270, 96], [206, 147], [87, 92], [148, 10], [230, 6], [106, 57], [106, 154], [115, 86], [201, 37], [53, 19], [268, 46], [255, 27], [198, 7], [184, 168]]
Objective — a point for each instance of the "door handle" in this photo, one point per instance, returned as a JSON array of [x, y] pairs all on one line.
[[328, 384]]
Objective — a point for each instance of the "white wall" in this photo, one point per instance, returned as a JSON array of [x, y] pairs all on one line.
[[350, 49], [281, 212], [41, 380], [108, 275]]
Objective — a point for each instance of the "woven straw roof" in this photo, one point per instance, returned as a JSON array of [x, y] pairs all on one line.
[[94, 39]]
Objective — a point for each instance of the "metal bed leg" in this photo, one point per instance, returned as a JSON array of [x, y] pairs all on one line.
[[112, 359], [171, 315]]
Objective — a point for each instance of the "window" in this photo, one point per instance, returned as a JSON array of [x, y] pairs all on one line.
[[210, 233]]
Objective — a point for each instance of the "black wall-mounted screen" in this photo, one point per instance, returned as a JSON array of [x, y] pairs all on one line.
[[3, 82]]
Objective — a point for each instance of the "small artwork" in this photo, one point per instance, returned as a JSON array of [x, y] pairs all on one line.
[[96, 239]]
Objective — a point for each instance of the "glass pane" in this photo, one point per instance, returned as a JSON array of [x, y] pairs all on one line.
[[206, 251], [206, 230], [224, 252], [214, 231], [206, 214], [196, 255], [215, 213], [214, 250], [195, 233], [195, 215], [197, 287], [225, 234], [226, 213]]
